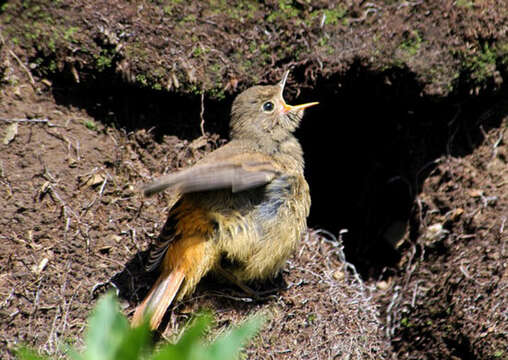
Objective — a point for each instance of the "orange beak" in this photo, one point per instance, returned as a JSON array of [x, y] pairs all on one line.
[[287, 108]]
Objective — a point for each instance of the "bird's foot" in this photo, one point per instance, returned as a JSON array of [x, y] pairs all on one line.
[[254, 294]]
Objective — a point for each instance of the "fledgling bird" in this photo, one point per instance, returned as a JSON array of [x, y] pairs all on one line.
[[242, 209]]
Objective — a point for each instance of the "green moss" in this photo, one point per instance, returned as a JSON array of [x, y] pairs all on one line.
[[90, 125], [405, 322], [502, 53], [53, 67], [411, 45], [136, 50], [332, 16], [32, 32], [4, 7], [158, 72], [481, 64], [52, 45], [217, 92], [141, 79], [251, 8], [153, 79], [323, 41], [198, 51], [104, 60], [189, 18], [215, 69], [170, 6], [285, 11], [498, 353], [69, 33], [38, 61], [286, 6], [240, 10], [464, 3]]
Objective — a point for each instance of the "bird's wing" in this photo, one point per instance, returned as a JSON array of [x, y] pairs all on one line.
[[169, 234], [238, 173], [230, 167]]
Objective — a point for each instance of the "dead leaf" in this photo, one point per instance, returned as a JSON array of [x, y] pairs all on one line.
[[475, 193], [17, 93], [72, 162], [91, 180], [382, 285], [40, 268], [455, 214], [10, 133], [45, 188], [115, 238], [46, 82], [435, 233], [338, 275], [175, 81]]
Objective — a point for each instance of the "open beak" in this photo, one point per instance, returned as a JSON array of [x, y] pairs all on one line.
[[282, 82], [289, 108]]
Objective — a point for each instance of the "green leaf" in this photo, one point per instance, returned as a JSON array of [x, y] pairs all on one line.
[[195, 331], [107, 329], [189, 346], [228, 345], [24, 353], [135, 343], [74, 354], [109, 337]]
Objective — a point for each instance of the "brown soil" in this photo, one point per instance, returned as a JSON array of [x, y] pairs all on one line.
[[217, 46], [74, 225], [450, 295], [100, 97]]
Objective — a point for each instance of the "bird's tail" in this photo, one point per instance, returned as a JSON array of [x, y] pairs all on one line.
[[159, 298]]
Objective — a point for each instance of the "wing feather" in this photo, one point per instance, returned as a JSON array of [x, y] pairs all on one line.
[[237, 176]]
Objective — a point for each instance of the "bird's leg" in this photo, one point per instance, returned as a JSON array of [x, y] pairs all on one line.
[[256, 295]]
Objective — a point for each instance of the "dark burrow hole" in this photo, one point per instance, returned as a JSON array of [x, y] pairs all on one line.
[[369, 145]]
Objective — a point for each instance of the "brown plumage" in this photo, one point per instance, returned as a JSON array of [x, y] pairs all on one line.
[[246, 203]]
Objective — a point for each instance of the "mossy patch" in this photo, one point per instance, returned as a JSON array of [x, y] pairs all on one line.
[[221, 42], [481, 63]]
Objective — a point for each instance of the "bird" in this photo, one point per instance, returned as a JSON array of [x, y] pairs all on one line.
[[240, 212]]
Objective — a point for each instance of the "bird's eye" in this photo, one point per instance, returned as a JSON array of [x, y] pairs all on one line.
[[268, 106]]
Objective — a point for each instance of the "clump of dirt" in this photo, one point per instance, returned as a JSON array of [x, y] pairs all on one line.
[[217, 46], [449, 298]]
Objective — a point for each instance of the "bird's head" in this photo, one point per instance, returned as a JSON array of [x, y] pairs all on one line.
[[262, 110]]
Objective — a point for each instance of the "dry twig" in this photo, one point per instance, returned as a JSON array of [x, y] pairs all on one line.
[[23, 66], [202, 114], [43, 121]]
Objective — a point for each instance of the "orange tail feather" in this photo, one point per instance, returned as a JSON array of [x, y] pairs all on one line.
[[159, 298]]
